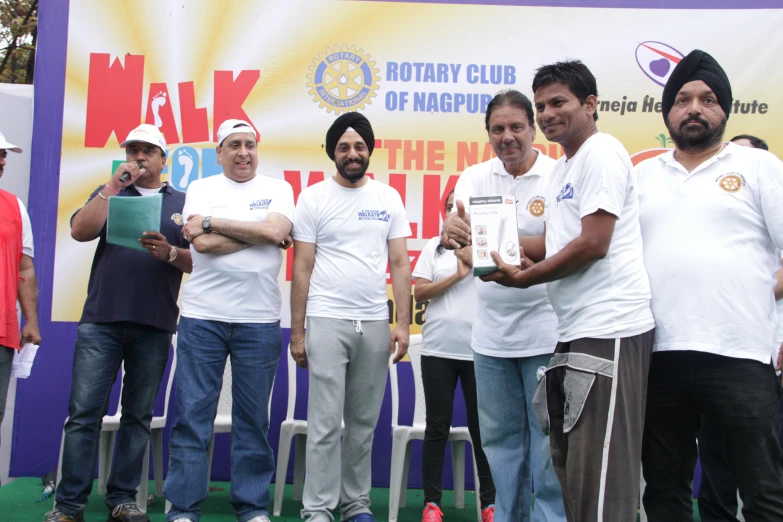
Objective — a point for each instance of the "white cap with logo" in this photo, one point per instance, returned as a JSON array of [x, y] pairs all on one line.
[[148, 134], [230, 127], [8, 146]]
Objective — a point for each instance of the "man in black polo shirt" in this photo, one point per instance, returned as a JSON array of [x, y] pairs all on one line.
[[130, 314]]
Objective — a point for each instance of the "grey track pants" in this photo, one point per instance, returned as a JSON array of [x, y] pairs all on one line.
[[347, 362]]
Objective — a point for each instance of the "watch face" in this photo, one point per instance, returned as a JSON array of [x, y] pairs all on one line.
[[206, 223]]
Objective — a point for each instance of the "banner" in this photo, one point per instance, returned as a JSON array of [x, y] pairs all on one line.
[[422, 73]]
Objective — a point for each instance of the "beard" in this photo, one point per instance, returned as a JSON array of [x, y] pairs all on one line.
[[695, 139], [357, 169]]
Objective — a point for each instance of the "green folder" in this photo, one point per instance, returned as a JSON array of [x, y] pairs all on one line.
[[130, 217]]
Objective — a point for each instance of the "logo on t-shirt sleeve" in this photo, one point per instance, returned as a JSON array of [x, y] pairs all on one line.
[[260, 204], [567, 192], [374, 215]]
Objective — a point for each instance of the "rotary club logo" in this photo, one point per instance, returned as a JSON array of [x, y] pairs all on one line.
[[536, 206], [177, 219], [343, 79], [731, 182]]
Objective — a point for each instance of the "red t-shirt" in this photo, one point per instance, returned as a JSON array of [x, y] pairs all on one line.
[[10, 257]]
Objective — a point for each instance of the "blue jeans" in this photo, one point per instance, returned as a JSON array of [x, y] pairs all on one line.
[[202, 348], [100, 350], [517, 449], [6, 361]]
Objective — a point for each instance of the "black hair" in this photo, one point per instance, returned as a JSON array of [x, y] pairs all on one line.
[[757, 143], [513, 98], [573, 74], [439, 248]]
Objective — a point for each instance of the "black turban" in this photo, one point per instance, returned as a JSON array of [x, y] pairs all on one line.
[[358, 123], [698, 65]]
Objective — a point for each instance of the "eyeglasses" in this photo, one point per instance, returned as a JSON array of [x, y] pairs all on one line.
[[147, 151]]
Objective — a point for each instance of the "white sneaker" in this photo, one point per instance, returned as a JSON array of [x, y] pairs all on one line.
[[183, 520], [259, 518]]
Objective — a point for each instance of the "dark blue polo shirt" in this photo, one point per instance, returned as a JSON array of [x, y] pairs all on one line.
[[131, 285]]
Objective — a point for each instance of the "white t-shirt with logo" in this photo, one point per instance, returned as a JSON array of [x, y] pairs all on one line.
[[611, 297], [241, 287], [449, 316], [351, 228], [512, 322], [709, 247]]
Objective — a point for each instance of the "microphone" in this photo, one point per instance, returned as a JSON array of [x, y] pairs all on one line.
[[126, 175]]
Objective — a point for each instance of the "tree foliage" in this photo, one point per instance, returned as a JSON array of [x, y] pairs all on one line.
[[18, 35]]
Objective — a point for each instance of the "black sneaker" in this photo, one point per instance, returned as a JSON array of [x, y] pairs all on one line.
[[56, 515], [127, 513]]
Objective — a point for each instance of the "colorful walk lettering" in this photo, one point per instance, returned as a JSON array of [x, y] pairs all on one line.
[[114, 85]]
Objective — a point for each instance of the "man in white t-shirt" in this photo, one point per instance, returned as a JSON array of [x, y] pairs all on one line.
[[346, 230], [592, 396], [711, 220], [230, 307], [514, 330], [17, 277], [718, 490]]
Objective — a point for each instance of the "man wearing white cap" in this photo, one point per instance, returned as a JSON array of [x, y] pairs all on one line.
[[17, 276], [128, 319], [230, 307]]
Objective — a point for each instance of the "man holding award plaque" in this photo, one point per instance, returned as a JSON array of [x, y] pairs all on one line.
[[592, 394], [514, 330]]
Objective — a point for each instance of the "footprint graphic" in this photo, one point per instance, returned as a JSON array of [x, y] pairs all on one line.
[[185, 159], [158, 101]]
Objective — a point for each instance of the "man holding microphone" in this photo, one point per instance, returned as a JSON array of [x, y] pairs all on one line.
[[129, 317]]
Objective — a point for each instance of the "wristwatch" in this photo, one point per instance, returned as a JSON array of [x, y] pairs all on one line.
[[172, 254], [206, 225]]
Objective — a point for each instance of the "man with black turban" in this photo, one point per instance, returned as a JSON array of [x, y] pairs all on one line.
[[711, 220], [346, 228]]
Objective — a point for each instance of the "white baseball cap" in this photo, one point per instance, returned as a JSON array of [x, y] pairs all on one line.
[[8, 146], [230, 127], [148, 134]]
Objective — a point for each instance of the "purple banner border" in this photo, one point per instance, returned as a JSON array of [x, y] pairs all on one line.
[[32, 415], [619, 4], [49, 98]]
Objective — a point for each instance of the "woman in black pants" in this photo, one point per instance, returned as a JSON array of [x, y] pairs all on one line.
[[446, 357]]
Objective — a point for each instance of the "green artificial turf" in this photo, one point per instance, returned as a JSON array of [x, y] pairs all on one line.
[[17, 505]]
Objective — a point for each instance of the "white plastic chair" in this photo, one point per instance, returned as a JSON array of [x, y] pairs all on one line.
[[403, 435], [109, 427], [223, 418], [289, 429], [157, 426]]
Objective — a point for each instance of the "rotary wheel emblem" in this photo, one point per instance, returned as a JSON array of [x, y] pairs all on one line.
[[343, 79], [730, 183], [536, 207]]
